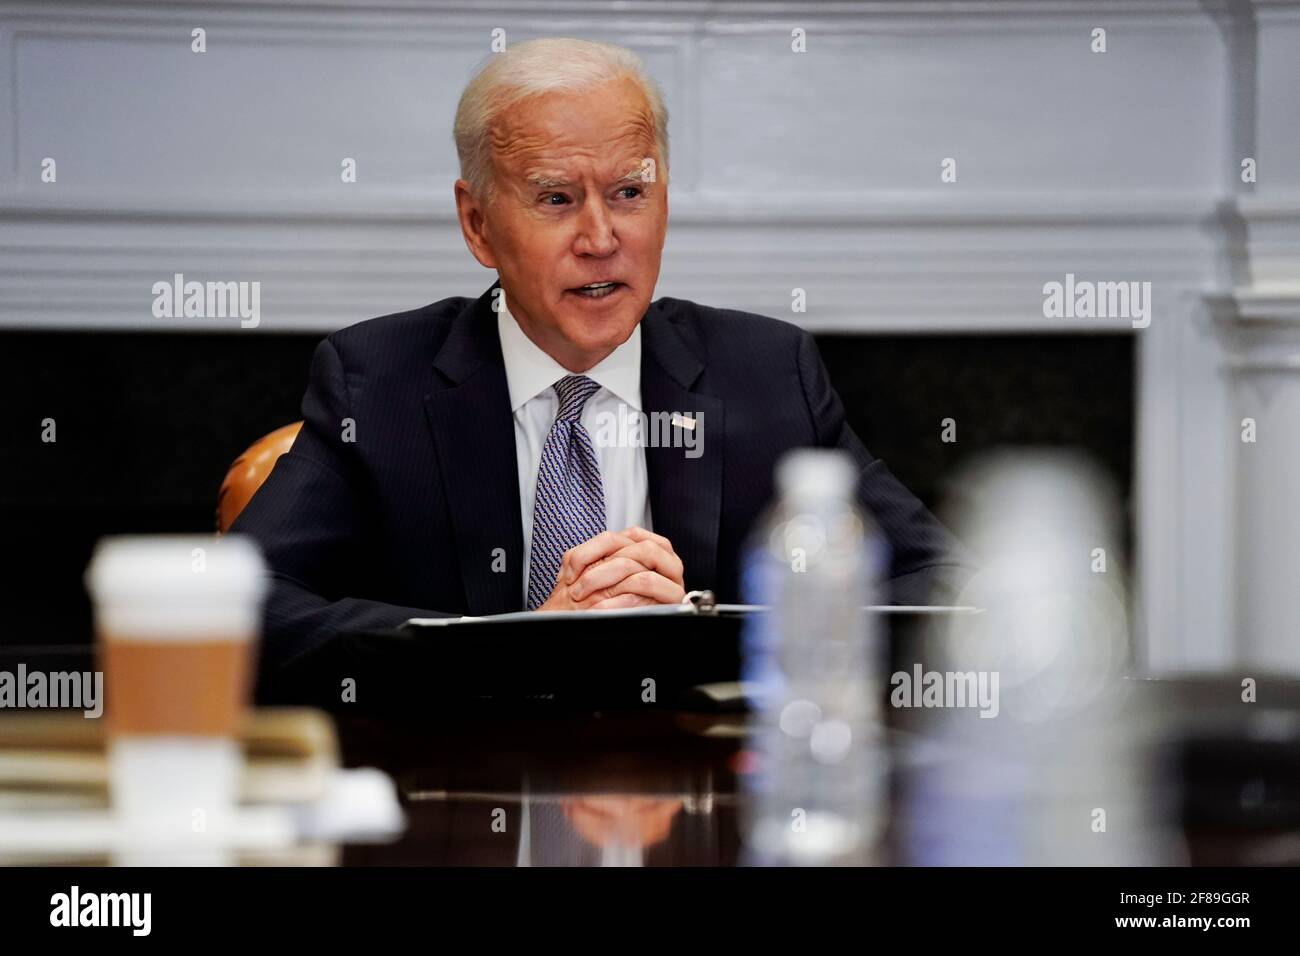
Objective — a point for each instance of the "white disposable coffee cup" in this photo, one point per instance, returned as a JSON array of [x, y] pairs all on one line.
[[177, 620]]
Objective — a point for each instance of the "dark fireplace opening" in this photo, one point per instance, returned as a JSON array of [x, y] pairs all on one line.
[[147, 424]]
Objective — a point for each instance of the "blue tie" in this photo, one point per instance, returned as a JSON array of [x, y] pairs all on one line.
[[570, 504]]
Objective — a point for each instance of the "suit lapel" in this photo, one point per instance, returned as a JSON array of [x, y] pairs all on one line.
[[685, 493], [473, 429]]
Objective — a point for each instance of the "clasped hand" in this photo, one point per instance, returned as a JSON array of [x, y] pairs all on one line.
[[616, 569]]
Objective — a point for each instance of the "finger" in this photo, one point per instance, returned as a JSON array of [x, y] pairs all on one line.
[[653, 557], [620, 600], [637, 533], [649, 584], [577, 558], [601, 575], [594, 549]]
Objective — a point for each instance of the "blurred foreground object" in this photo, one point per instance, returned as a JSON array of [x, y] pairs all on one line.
[[287, 754], [249, 471], [815, 659], [177, 620], [1059, 769], [295, 802]]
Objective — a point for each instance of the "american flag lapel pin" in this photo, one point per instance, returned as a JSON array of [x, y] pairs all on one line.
[[683, 421]]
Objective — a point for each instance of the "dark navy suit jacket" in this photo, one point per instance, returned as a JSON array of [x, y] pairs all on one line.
[[400, 495]]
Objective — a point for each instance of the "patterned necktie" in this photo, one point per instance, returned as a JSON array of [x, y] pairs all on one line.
[[570, 504]]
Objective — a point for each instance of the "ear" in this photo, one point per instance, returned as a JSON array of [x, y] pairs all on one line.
[[473, 226]]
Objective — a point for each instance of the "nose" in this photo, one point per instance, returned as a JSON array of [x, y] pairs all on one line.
[[595, 230]]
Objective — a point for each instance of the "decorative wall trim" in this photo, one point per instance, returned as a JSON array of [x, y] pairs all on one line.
[[929, 273]]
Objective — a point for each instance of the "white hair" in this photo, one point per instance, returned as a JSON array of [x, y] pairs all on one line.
[[543, 66]]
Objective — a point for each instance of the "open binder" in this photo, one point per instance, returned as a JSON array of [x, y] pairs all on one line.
[[695, 603], [594, 660]]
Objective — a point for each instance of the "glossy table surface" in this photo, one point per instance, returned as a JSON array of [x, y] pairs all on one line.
[[658, 787], [644, 786]]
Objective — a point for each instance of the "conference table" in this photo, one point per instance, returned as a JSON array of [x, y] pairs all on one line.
[[664, 787], [595, 776], [614, 781]]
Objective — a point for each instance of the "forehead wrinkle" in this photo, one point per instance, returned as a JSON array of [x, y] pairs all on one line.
[[522, 144]]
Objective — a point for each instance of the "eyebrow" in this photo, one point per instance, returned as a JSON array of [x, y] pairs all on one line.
[[546, 182]]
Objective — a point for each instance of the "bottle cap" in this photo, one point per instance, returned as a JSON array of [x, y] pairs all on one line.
[[816, 472]]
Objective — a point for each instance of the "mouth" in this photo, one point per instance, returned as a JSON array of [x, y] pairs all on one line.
[[598, 290]]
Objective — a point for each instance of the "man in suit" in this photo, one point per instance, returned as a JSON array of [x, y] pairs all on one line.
[[446, 464]]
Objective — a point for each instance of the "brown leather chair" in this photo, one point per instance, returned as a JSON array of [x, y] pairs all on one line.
[[249, 471]]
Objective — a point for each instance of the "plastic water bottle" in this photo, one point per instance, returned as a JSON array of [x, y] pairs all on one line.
[[813, 666]]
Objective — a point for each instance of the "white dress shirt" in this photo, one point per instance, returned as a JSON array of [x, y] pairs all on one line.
[[530, 373]]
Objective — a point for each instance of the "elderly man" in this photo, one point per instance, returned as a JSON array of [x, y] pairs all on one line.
[[447, 463]]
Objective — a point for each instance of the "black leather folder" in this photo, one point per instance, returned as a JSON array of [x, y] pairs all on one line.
[[591, 662]]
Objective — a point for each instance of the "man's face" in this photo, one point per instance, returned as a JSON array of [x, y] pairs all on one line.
[[573, 207]]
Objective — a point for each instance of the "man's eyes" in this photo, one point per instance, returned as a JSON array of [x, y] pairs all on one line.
[[560, 199]]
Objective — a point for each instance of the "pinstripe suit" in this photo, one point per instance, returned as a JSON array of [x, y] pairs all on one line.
[[400, 496]]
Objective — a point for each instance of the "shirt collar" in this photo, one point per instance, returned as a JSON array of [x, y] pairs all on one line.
[[530, 371]]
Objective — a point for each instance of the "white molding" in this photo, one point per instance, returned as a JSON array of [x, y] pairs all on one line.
[[1271, 292], [1266, 305], [940, 206], [1270, 206], [973, 266]]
